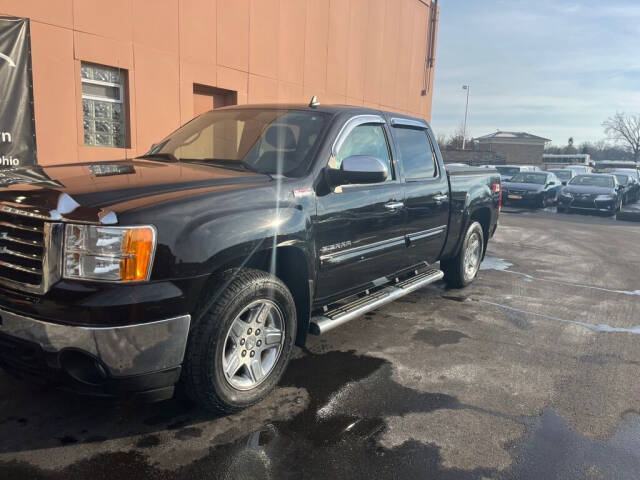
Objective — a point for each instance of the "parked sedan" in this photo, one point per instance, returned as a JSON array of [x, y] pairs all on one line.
[[537, 189], [595, 192], [508, 171], [635, 181], [627, 190], [563, 174]]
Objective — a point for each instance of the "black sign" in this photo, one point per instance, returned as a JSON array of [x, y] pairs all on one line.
[[17, 122]]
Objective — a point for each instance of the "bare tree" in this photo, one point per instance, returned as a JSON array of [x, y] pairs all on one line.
[[455, 140], [625, 129]]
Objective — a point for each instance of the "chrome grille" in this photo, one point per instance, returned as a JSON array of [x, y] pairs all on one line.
[[21, 248], [29, 250]]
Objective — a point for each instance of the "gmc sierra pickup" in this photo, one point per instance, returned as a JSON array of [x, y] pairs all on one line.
[[201, 263]]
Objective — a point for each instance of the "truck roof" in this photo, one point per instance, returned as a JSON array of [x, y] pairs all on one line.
[[328, 108]]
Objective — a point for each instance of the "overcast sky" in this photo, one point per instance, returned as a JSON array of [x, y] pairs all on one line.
[[553, 68]]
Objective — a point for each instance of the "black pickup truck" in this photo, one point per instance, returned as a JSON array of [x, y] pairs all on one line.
[[201, 263]]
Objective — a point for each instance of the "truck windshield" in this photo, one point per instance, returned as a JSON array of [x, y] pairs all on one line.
[[271, 141]]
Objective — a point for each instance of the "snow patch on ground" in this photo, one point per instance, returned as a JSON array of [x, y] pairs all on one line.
[[495, 263]]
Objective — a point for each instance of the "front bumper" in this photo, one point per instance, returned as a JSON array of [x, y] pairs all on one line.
[[136, 359], [590, 204]]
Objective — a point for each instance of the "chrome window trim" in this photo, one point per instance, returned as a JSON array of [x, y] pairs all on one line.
[[344, 132], [427, 233], [348, 127], [407, 122], [341, 255]]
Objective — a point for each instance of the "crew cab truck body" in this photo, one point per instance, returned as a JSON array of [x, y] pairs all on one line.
[[201, 263]]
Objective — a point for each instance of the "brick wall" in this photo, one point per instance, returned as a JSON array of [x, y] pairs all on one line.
[[359, 52], [517, 154]]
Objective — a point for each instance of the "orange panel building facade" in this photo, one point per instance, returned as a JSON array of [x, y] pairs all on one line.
[[111, 78]]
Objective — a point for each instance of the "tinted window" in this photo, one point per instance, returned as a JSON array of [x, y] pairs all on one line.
[[622, 179], [535, 178], [563, 174], [593, 181], [415, 153], [365, 140], [508, 170]]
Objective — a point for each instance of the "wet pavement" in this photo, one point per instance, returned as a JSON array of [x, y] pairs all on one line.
[[531, 372]]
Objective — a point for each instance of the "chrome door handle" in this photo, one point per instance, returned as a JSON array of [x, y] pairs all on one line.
[[394, 205], [440, 198]]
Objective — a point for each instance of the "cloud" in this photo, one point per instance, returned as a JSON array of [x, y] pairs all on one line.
[[554, 68]]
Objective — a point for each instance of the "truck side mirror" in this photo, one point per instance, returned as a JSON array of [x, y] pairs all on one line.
[[358, 169]]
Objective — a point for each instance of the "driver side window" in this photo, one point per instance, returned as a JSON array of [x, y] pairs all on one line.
[[368, 139]]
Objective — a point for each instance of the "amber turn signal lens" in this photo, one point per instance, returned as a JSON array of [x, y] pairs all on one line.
[[137, 246]]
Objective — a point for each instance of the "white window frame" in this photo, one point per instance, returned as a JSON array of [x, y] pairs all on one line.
[[99, 98]]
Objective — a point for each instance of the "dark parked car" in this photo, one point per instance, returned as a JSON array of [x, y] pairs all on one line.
[[634, 187], [206, 259], [563, 174], [627, 189], [537, 189], [508, 171], [598, 192]]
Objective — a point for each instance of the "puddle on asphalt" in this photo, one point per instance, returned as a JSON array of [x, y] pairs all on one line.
[[495, 263], [600, 328], [337, 436], [436, 338], [550, 449]]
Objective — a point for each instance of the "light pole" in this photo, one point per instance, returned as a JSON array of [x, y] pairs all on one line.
[[466, 110]]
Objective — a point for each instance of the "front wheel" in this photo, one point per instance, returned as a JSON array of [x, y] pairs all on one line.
[[462, 269], [239, 349]]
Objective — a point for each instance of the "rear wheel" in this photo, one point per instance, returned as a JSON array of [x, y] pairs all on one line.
[[240, 348], [462, 269]]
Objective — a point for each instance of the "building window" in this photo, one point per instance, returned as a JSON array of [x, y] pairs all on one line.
[[103, 107]]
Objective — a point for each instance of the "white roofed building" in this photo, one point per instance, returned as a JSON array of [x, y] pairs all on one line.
[[518, 148]]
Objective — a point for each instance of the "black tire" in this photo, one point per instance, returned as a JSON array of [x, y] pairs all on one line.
[[562, 210], [203, 379], [454, 270], [543, 202]]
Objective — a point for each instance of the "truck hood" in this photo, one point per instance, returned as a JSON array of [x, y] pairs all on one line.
[[95, 192]]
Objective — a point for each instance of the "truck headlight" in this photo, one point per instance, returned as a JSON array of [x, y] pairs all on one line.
[[110, 254]]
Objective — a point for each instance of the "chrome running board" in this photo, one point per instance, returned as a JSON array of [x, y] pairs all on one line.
[[334, 318]]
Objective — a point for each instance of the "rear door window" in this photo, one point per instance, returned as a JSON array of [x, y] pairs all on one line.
[[416, 154]]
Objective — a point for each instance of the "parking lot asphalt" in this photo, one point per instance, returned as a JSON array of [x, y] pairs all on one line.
[[531, 372]]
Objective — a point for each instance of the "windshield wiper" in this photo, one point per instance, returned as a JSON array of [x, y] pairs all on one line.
[[159, 156], [239, 165]]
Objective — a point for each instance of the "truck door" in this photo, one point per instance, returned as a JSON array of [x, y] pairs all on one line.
[[359, 229], [426, 190]]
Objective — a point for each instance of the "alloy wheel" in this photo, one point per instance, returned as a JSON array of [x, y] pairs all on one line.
[[471, 261], [253, 344]]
